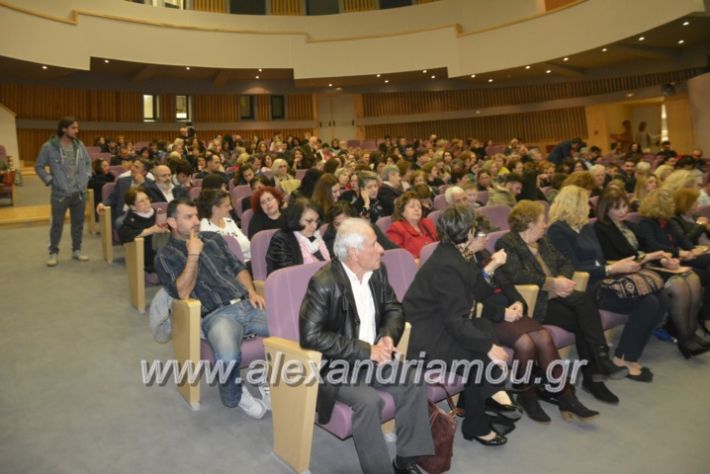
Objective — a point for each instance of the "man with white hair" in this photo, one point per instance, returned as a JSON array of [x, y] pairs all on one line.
[[455, 196], [164, 189], [351, 314], [599, 174]]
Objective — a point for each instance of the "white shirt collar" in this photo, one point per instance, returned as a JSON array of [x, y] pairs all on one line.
[[353, 278]]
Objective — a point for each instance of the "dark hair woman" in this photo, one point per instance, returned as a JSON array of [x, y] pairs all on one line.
[[266, 203], [140, 222]]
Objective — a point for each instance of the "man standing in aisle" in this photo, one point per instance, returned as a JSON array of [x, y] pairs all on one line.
[[69, 169]]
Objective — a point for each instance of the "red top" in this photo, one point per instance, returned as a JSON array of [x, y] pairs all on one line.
[[402, 233]]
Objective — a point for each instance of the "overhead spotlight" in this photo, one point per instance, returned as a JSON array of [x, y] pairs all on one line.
[[187, 67], [548, 71], [472, 76], [106, 61], [565, 59], [379, 75], [330, 85], [686, 23], [490, 80], [257, 77], [681, 41], [641, 38], [387, 81], [424, 71], [603, 50], [527, 67], [339, 89], [433, 76], [259, 69], [45, 67], [630, 94]]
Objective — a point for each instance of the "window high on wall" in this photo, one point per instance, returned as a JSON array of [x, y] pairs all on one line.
[[246, 107], [151, 108], [183, 108]]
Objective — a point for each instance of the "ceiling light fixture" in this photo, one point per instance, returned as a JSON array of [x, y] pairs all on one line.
[[548, 71], [433, 76], [686, 23], [106, 61], [527, 67], [330, 85], [472, 76], [565, 59], [641, 38], [45, 67], [257, 77], [603, 50], [259, 69], [681, 41], [424, 71], [379, 75], [187, 67], [490, 80], [387, 81]]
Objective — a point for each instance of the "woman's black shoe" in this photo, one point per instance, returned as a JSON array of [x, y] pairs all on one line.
[[570, 407], [532, 407], [599, 391], [546, 396], [501, 425], [691, 348], [512, 412], [607, 367], [645, 376], [497, 441]]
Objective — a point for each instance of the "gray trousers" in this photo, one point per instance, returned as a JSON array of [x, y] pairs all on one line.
[[75, 203], [411, 419]]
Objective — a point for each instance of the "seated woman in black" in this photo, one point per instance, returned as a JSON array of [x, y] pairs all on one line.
[[101, 176], [338, 212], [266, 204], [533, 259], [140, 222], [298, 241], [571, 234], [622, 239]]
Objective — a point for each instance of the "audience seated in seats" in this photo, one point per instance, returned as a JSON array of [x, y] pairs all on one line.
[[484, 180], [140, 222], [100, 177], [390, 190], [116, 199], [164, 189], [692, 231], [621, 239], [326, 192], [299, 240], [505, 194], [424, 194], [455, 196], [353, 193], [532, 259], [213, 208], [367, 205], [571, 234], [182, 175], [340, 211], [266, 204], [199, 265], [307, 186], [244, 175], [351, 314], [644, 187], [283, 178], [213, 165], [410, 230], [255, 184], [531, 188]]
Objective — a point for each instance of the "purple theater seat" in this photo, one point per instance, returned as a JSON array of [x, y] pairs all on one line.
[[252, 349], [234, 247], [194, 192], [561, 337], [634, 217], [300, 174], [611, 320], [401, 269], [497, 215], [238, 193], [439, 202], [426, 252], [116, 170], [340, 423], [259, 246], [453, 385], [384, 222], [245, 219], [434, 216], [482, 197], [493, 238]]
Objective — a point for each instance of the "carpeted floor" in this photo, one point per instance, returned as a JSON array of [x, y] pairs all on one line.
[[72, 400]]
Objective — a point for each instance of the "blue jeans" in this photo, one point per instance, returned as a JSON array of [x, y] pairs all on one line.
[[226, 328]]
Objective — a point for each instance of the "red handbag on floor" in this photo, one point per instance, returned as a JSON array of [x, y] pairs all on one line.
[[443, 429]]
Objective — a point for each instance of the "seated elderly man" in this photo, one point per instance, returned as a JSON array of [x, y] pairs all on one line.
[[455, 196], [164, 189], [200, 265], [351, 314], [506, 194]]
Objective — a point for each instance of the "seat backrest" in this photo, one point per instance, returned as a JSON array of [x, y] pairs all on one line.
[[434, 216], [426, 252], [439, 202], [106, 190], [116, 170], [259, 246], [401, 269], [634, 217], [237, 194], [195, 191], [482, 197], [593, 201], [160, 206], [284, 290], [300, 173], [384, 222], [493, 238], [497, 215], [245, 219], [234, 247]]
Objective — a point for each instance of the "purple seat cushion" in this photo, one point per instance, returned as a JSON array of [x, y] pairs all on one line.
[[453, 385], [252, 349], [611, 320], [340, 423], [561, 337]]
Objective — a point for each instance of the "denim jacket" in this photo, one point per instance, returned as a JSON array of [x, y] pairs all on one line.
[[50, 155]]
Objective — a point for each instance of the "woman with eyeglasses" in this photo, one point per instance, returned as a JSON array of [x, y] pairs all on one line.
[[266, 203], [299, 240]]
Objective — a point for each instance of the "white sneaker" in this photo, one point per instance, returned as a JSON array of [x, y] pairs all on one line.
[[77, 255], [253, 407], [52, 260], [265, 392]]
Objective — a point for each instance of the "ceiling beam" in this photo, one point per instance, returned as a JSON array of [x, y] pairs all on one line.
[[144, 73], [222, 78], [650, 52]]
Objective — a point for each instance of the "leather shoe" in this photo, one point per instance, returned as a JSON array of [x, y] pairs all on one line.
[[411, 468], [599, 391], [546, 396], [499, 440], [531, 406], [645, 376], [512, 412]]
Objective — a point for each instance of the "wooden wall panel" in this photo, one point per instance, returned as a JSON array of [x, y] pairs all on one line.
[[214, 108], [287, 7], [358, 5], [214, 6], [299, 107], [167, 107], [262, 108], [404, 103], [531, 127], [680, 123]]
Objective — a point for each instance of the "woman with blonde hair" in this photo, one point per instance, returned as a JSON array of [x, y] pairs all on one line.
[[662, 172], [571, 234], [679, 179], [644, 186], [282, 176]]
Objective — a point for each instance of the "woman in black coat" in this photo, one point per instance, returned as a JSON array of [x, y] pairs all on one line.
[[342, 210], [140, 222], [101, 176], [576, 240]]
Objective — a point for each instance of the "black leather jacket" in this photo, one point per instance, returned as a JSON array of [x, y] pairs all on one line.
[[329, 322]]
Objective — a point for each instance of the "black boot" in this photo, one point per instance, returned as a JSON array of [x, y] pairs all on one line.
[[598, 390], [607, 367], [531, 405], [691, 348], [570, 407]]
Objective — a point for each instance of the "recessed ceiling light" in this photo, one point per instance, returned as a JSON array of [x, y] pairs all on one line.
[[630, 94], [44, 67], [433, 76], [330, 85], [473, 75], [379, 75], [259, 69], [565, 59], [187, 67], [548, 71], [527, 67], [478, 111], [424, 71], [490, 80], [339, 89], [603, 50], [106, 61], [641, 38], [257, 77], [681, 41], [387, 81], [686, 23]]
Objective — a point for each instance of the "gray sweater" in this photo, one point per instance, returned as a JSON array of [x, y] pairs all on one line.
[[60, 170]]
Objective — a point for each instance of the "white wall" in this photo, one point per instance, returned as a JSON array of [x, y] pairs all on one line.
[[699, 97], [8, 133]]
